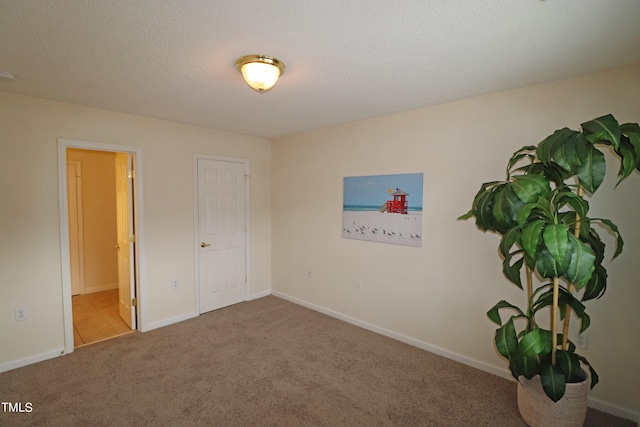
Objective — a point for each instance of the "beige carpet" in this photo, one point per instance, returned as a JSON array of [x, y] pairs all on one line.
[[266, 362]]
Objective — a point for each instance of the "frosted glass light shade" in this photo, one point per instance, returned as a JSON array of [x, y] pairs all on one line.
[[260, 76], [260, 72]]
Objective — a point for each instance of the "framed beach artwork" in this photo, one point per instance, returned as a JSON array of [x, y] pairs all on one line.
[[383, 208]]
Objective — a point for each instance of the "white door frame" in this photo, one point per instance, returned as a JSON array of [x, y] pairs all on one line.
[[65, 261], [78, 245], [196, 242]]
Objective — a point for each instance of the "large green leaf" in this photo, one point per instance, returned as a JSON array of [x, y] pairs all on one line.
[[531, 344], [585, 229], [591, 168], [564, 299], [579, 310], [494, 312], [508, 240], [506, 339], [616, 232], [565, 154], [592, 372], [582, 262], [505, 208], [632, 131], [547, 265], [531, 237], [547, 340], [545, 299], [548, 145], [597, 285], [546, 208], [553, 381], [482, 206], [627, 158], [570, 220], [523, 365], [603, 129], [577, 203], [569, 364], [483, 210], [511, 270], [526, 152], [529, 188], [556, 240], [551, 171], [593, 240], [524, 213]]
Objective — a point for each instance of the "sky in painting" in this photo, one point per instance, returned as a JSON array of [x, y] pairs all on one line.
[[375, 190]]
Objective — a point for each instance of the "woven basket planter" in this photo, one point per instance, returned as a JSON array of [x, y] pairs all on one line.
[[537, 410]]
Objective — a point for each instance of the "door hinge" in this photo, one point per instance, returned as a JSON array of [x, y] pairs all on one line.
[[131, 174], [132, 238], [134, 302]]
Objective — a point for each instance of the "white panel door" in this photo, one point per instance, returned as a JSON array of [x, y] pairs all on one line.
[[221, 233], [125, 238]]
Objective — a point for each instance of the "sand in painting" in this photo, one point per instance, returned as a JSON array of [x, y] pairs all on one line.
[[401, 229]]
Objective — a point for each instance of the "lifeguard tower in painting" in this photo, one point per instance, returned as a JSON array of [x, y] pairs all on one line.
[[399, 203]]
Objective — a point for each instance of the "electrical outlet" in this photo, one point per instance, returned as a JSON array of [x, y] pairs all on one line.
[[358, 285], [21, 314], [581, 340], [175, 284]]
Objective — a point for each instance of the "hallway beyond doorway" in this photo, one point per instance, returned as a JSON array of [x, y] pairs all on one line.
[[96, 317]]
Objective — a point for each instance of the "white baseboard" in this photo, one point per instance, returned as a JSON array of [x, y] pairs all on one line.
[[170, 321], [191, 315], [100, 288], [258, 295], [618, 411], [15, 364], [501, 372], [598, 404]]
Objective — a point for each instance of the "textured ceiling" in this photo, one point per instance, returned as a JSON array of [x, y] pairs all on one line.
[[347, 60]]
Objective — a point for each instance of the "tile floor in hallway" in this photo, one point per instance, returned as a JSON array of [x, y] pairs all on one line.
[[96, 317]]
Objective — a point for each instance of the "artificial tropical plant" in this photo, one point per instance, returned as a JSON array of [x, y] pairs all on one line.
[[542, 215]]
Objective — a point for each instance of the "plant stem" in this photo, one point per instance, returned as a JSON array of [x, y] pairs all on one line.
[[567, 313], [532, 321], [554, 319], [567, 320]]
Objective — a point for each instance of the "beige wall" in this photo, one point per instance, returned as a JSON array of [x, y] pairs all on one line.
[[99, 218], [30, 271], [437, 295]]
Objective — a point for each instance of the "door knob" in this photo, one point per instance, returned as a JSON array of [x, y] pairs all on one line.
[[204, 245]]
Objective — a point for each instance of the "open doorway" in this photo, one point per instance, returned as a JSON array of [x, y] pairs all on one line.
[[98, 228], [98, 200]]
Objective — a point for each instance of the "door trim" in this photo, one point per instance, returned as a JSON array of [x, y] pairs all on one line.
[[79, 218], [65, 261], [247, 209]]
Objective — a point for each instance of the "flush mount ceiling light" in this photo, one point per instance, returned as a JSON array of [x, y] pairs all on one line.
[[261, 72]]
